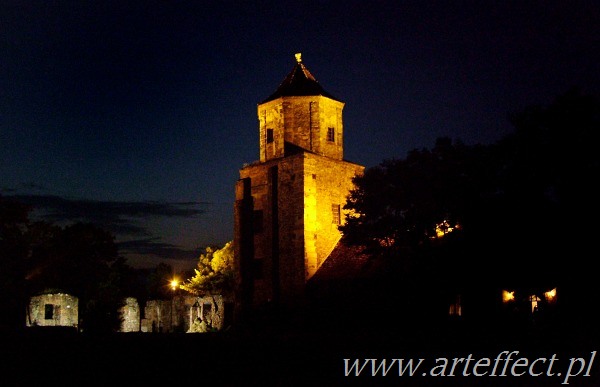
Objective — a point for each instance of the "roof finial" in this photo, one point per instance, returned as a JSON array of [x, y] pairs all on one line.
[[299, 57]]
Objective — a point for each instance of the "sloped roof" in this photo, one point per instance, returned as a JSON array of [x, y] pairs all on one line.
[[299, 82], [349, 272], [345, 262]]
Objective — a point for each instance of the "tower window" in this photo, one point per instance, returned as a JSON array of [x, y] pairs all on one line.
[[335, 212], [269, 136], [331, 134], [257, 220], [257, 268]]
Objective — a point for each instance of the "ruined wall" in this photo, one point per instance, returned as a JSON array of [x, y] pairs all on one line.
[[161, 316], [179, 314], [213, 309], [130, 315], [176, 315], [58, 309]]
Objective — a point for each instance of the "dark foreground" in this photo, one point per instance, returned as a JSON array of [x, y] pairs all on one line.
[[311, 357]]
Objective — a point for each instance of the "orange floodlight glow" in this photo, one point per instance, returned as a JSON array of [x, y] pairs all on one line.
[[508, 296]]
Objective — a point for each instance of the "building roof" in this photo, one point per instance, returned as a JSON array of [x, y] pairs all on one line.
[[344, 262], [299, 82], [349, 272]]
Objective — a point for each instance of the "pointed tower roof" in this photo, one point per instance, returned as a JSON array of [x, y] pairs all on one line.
[[299, 82]]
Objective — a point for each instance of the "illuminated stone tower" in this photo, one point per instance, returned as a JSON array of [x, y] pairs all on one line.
[[289, 203]]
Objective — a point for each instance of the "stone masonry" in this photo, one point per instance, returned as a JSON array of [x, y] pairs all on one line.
[[53, 309], [289, 204]]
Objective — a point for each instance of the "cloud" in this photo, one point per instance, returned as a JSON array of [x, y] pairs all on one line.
[[153, 246], [120, 217], [138, 226], [63, 208]]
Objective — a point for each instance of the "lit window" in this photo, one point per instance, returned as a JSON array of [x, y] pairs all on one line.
[[335, 212], [331, 134], [456, 307], [534, 303], [269, 135]]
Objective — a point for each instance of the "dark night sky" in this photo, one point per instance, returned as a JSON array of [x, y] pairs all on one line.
[[138, 115]]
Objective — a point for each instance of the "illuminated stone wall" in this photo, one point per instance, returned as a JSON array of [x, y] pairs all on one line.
[[297, 232], [178, 314], [303, 121], [283, 217], [214, 309], [57, 309], [284, 226], [130, 315], [327, 182]]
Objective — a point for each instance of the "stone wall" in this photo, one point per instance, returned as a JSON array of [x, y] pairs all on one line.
[[130, 315], [176, 315], [327, 183], [179, 314], [284, 223], [303, 121], [56, 309], [296, 230]]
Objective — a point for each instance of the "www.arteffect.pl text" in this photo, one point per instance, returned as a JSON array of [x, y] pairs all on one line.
[[505, 364]]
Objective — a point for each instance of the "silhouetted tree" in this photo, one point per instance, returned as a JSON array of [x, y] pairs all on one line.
[[405, 203], [159, 280], [523, 209], [551, 187], [82, 259], [14, 221], [415, 216]]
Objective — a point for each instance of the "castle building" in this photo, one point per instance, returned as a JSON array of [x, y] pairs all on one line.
[[289, 203]]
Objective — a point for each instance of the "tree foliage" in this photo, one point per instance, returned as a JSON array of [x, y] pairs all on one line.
[[214, 273], [525, 205], [552, 157], [550, 184], [81, 259], [158, 282], [404, 203], [14, 221]]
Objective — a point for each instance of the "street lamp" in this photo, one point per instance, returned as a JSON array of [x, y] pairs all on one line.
[[174, 284]]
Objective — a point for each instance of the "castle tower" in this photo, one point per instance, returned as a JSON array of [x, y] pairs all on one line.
[[289, 203]]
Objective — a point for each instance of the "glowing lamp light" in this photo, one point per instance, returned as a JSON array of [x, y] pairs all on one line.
[[443, 228], [508, 296], [550, 295], [174, 284]]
